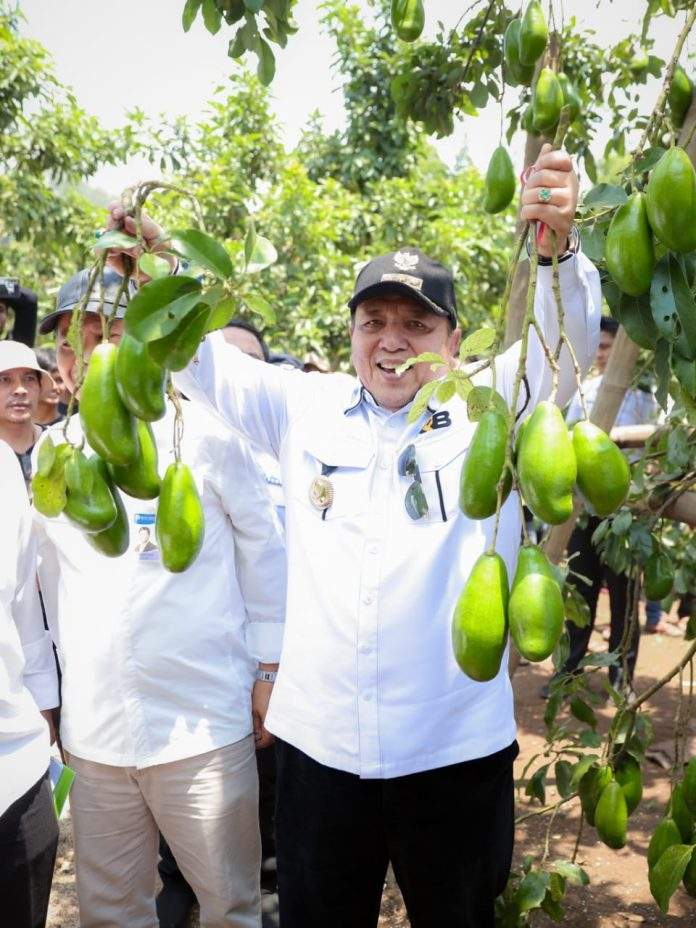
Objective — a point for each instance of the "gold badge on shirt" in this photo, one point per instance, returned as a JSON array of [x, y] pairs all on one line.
[[321, 493]]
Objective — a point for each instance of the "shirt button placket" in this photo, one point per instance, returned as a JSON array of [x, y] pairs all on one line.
[[367, 632]]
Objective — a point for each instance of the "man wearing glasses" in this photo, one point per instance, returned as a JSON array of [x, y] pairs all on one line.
[[386, 751]]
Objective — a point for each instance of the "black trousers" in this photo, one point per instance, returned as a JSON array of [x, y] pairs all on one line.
[[447, 832], [587, 563], [28, 844]]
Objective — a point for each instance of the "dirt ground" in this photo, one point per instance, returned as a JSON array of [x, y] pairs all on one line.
[[619, 896]]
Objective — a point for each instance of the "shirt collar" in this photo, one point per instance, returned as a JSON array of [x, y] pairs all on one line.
[[359, 395]]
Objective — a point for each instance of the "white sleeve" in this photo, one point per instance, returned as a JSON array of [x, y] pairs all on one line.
[[254, 399], [40, 675], [582, 303], [259, 550]]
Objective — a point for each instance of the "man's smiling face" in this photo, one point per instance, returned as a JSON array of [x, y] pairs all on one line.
[[384, 333]]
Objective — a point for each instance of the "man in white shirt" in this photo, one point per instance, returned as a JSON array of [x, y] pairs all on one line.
[[159, 671], [28, 689], [386, 751], [21, 383]]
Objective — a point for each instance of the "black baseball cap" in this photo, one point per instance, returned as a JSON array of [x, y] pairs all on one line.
[[73, 292], [410, 273]]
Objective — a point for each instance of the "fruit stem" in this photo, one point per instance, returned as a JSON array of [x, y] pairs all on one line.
[[178, 417], [519, 377]]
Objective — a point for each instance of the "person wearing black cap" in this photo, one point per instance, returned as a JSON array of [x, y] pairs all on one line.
[[386, 750], [24, 305]]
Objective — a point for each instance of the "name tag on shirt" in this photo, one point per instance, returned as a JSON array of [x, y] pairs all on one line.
[[145, 538]]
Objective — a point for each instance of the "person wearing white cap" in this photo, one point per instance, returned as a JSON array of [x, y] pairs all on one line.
[[21, 379], [28, 689]]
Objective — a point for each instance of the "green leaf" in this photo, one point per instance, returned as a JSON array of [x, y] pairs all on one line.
[[428, 357], [583, 712], [649, 159], [481, 399], [536, 787], [590, 165], [477, 342], [221, 314], [261, 307], [115, 239], [445, 390], [463, 387], [263, 255], [580, 769], [662, 301], [564, 772], [254, 6], [531, 891], [553, 908], [158, 307], [667, 872], [45, 457], [576, 609], [266, 67], [175, 350], [203, 249], [571, 872], [622, 522], [190, 12], [594, 241], [421, 401], [154, 266], [635, 315], [603, 196], [249, 241], [212, 16], [590, 739], [684, 303]]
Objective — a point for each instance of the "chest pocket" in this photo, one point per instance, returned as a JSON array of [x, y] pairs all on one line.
[[342, 467], [440, 464]]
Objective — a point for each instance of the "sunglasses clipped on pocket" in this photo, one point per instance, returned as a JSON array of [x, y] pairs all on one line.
[[415, 502]]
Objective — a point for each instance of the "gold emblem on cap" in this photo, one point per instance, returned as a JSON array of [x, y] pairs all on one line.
[[321, 493]]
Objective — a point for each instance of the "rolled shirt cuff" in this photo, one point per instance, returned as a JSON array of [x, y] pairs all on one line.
[[265, 641]]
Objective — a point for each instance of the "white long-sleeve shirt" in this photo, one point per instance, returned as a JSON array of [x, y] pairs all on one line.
[[28, 678], [368, 682], [159, 666]]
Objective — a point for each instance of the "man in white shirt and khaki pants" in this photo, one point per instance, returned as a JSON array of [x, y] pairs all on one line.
[[161, 673], [28, 687], [386, 751]]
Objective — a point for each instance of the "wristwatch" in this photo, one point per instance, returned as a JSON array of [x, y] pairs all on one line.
[[266, 676]]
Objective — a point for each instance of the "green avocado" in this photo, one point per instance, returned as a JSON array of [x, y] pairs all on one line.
[[535, 611], [665, 835], [547, 101], [534, 33], [140, 479], [479, 624], [180, 522], [483, 466], [604, 476], [112, 541], [670, 198], [681, 93], [611, 816], [500, 181], [546, 466], [630, 778], [658, 576], [629, 251]]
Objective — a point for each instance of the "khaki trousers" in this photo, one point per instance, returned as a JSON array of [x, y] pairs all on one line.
[[207, 809]]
